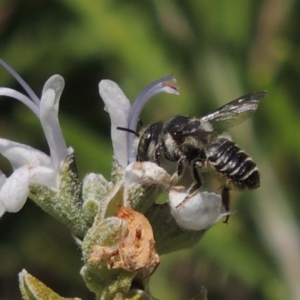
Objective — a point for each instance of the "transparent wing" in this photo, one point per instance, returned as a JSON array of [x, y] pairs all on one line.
[[236, 111]]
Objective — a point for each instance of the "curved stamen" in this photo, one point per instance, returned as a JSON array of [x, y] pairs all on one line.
[[158, 86], [21, 81], [142, 98], [45, 109], [21, 97]]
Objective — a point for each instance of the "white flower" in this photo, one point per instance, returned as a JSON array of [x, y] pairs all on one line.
[[30, 165], [122, 114], [197, 212]]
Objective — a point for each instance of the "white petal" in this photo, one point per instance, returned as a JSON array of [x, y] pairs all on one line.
[[49, 119], [14, 191], [197, 212], [56, 83], [43, 176], [146, 172], [20, 155], [2, 209], [2, 179], [118, 106]]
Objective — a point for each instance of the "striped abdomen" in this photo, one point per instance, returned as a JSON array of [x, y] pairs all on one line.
[[233, 163]]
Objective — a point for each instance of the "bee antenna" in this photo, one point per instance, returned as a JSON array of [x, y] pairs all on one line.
[[128, 130]]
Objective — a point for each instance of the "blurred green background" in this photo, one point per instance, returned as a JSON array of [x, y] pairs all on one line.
[[218, 50]]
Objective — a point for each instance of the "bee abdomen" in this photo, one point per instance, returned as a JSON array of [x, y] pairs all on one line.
[[233, 163]]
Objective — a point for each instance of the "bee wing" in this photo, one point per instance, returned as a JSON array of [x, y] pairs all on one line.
[[198, 133], [236, 111]]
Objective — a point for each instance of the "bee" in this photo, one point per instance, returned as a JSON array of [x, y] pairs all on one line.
[[195, 142]]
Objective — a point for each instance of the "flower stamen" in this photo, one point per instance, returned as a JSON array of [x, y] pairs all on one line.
[[22, 82]]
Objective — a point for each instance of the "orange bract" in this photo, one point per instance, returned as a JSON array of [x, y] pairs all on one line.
[[135, 249]]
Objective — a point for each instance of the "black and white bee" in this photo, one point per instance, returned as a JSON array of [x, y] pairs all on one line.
[[195, 142]]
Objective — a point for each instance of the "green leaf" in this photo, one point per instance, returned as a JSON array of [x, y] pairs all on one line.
[[33, 289]]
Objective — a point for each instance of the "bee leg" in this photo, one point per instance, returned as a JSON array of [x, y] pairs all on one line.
[[197, 184], [157, 154], [181, 166], [181, 163], [140, 123], [194, 187], [226, 201]]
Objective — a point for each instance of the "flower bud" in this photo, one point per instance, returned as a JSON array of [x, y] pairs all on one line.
[[197, 211]]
